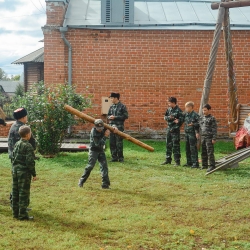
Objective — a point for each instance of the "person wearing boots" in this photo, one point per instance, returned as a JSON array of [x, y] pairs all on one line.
[[174, 119], [208, 127], [191, 128], [117, 114], [98, 138]]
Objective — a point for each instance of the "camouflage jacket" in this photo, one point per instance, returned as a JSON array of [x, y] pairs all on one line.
[[14, 137], [97, 140], [23, 157], [191, 118], [120, 112], [172, 114], [208, 126]]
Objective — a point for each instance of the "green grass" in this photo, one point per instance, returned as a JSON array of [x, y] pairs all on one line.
[[149, 206]]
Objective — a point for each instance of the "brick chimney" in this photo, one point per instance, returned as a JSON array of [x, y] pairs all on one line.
[[55, 10]]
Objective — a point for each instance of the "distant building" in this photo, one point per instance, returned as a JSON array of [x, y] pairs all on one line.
[[33, 67], [9, 87]]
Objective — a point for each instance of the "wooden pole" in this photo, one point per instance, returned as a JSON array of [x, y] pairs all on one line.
[[212, 59], [92, 120], [232, 4], [232, 90]]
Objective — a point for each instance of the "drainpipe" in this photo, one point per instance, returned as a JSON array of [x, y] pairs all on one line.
[[63, 30]]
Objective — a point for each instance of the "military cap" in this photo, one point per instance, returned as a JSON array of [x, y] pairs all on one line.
[[115, 95], [20, 113], [99, 123]]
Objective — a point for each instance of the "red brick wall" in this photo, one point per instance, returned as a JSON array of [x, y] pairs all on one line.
[[147, 67]]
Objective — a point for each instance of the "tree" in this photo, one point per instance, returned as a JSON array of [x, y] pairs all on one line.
[[48, 118], [3, 75], [15, 78], [19, 90]]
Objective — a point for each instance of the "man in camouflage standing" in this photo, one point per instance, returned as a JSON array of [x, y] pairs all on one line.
[[208, 127], [174, 119], [191, 128], [20, 115], [117, 114]]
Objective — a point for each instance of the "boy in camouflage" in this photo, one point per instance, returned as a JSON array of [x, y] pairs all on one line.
[[98, 138], [23, 168], [174, 118], [191, 128], [208, 127], [117, 114]]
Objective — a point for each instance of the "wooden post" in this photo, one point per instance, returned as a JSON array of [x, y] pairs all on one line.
[[92, 120], [231, 4], [232, 90], [212, 60]]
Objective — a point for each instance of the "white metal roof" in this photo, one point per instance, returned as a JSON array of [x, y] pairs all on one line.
[[157, 14]]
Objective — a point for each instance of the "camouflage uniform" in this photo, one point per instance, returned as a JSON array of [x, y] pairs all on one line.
[[14, 137], [190, 138], [96, 152], [120, 112], [173, 133], [208, 127], [23, 167]]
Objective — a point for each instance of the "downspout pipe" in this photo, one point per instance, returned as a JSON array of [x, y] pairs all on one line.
[[63, 30]]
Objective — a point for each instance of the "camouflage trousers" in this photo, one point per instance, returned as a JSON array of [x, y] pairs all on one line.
[[93, 157], [116, 146], [20, 193], [173, 146], [191, 149], [207, 152]]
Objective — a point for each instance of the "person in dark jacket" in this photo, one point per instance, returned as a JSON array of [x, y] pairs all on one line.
[[98, 138], [174, 119], [23, 169], [117, 114]]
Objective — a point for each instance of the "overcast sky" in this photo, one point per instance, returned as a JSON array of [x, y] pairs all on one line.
[[20, 31]]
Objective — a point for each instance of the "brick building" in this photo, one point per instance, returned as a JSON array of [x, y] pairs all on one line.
[[146, 50]]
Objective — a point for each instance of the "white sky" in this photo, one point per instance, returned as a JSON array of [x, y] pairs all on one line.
[[20, 31]]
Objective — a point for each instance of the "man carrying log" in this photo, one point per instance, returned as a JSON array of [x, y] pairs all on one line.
[[117, 114]]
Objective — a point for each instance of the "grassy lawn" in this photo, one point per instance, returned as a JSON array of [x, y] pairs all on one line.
[[149, 206]]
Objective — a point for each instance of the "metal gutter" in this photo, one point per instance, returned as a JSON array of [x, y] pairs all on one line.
[[63, 30]]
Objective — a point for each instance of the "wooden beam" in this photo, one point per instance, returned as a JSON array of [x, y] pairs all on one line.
[[232, 4]]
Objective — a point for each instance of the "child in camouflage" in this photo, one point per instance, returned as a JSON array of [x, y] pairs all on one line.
[[191, 128], [208, 127], [23, 168], [96, 152]]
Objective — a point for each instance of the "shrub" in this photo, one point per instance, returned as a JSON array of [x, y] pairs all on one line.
[[47, 117]]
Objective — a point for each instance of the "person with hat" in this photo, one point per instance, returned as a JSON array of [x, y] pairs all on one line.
[[174, 118], [98, 138], [117, 114], [21, 117]]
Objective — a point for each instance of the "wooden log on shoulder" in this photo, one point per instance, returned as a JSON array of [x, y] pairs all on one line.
[[232, 4], [92, 120]]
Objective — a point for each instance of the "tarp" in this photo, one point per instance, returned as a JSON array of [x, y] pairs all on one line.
[[242, 137]]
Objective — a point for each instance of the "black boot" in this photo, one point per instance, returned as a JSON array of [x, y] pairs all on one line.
[[187, 165], [80, 183], [211, 169], [166, 162], [195, 166], [177, 164]]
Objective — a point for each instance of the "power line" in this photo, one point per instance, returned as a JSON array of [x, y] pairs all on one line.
[[41, 5], [36, 7]]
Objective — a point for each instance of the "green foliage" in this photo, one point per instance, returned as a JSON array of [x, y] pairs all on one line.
[[47, 117], [19, 90]]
